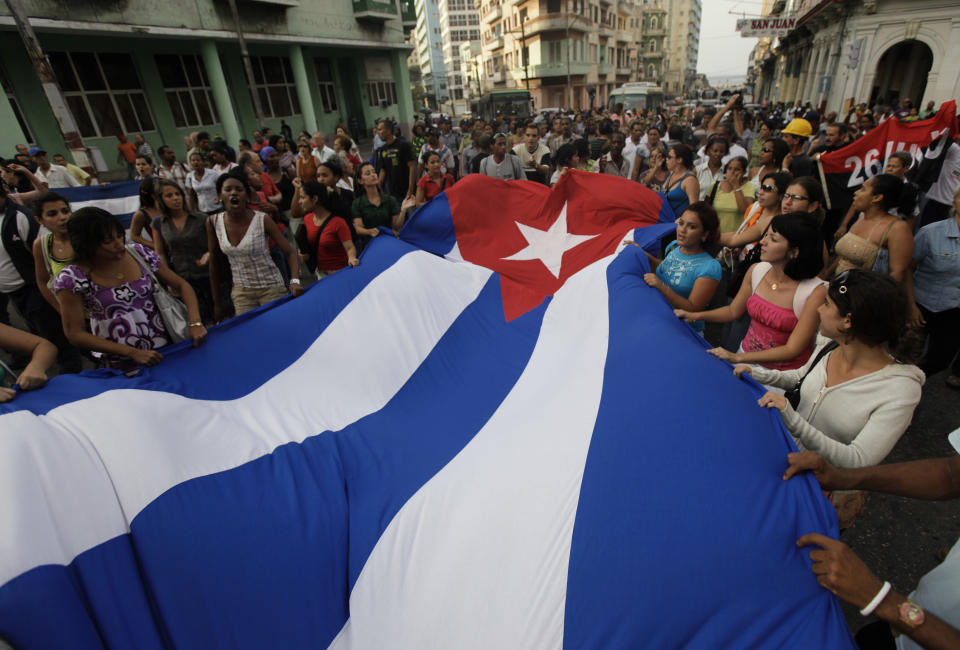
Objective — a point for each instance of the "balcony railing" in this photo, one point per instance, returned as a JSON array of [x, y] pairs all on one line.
[[559, 69], [604, 68], [494, 43], [495, 12], [558, 22], [376, 11]]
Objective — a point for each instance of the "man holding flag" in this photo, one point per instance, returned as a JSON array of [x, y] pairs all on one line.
[[928, 141]]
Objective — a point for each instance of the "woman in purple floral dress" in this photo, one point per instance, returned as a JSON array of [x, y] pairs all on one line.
[[109, 283]]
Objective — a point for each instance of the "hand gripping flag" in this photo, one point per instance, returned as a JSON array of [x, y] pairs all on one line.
[[490, 434]]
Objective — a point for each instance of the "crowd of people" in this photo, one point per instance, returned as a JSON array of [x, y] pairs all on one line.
[[841, 312]]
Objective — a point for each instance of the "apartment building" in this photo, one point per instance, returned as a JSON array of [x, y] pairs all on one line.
[[653, 42], [561, 49], [683, 44], [429, 47], [459, 24]]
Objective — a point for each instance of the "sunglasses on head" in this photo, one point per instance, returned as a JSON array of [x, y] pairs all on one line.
[[841, 281]]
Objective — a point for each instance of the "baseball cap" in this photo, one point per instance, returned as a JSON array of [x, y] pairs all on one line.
[[35, 150]]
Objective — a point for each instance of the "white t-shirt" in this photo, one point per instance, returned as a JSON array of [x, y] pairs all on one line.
[[324, 154], [707, 178], [10, 279], [630, 151], [942, 190], [57, 176], [508, 169], [206, 189]]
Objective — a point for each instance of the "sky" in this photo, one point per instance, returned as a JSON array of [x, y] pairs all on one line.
[[723, 52]]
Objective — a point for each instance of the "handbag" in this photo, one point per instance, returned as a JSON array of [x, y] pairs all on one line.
[[793, 395], [173, 312]]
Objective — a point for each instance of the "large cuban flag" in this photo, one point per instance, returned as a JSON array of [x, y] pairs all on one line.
[[490, 434], [120, 199]]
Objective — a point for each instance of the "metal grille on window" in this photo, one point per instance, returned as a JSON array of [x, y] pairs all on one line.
[[104, 93], [188, 92]]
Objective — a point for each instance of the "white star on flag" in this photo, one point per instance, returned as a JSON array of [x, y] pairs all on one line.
[[548, 246]]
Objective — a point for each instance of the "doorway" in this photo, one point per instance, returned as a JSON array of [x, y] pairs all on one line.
[[902, 74]]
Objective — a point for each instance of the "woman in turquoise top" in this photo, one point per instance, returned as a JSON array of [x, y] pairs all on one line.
[[682, 187], [689, 275]]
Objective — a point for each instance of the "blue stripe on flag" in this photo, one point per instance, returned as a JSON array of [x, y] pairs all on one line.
[[279, 526], [230, 363], [106, 196], [54, 606], [430, 228], [663, 487]]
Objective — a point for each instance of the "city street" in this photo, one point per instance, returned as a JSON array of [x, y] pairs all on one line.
[[899, 538]]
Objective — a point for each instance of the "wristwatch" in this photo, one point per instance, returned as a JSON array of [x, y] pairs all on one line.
[[911, 614], [294, 280]]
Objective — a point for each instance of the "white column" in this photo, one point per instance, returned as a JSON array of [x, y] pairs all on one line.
[[810, 87]]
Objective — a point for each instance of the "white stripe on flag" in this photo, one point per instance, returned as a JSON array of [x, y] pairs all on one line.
[[130, 446], [478, 557], [116, 206]]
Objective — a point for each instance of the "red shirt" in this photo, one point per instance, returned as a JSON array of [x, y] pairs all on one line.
[[269, 187], [331, 256], [129, 151], [431, 188]]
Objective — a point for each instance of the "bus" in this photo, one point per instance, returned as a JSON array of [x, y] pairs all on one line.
[[505, 101], [637, 96]]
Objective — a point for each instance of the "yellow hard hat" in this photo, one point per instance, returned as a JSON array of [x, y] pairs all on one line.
[[799, 127]]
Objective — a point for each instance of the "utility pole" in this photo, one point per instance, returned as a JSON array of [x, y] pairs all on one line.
[[247, 67], [48, 80]]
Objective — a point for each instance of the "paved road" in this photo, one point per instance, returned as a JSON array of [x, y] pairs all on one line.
[[898, 538]]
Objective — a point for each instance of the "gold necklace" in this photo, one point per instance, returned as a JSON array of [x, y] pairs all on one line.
[[775, 284]]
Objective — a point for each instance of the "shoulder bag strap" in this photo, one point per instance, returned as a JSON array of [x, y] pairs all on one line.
[[143, 264], [824, 351], [886, 231], [713, 192]]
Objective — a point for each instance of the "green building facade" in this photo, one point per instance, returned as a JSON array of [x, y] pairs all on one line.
[[166, 69]]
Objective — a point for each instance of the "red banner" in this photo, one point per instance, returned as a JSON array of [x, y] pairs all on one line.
[[867, 157]]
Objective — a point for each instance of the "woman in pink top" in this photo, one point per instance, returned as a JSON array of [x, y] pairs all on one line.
[[781, 293]]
